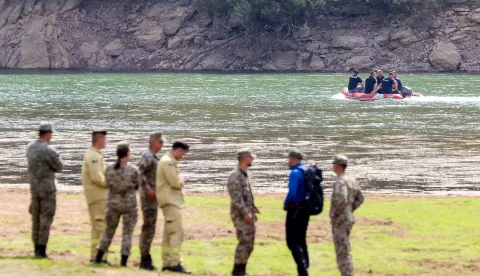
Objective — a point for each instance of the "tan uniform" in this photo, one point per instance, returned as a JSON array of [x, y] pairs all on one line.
[[170, 200], [96, 191]]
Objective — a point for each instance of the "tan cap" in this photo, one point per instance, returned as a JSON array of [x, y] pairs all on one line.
[[296, 154], [46, 127], [340, 159], [99, 131], [157, 135], [245, 151]]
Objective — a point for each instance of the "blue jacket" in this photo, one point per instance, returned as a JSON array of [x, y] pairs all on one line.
[[296, 188]]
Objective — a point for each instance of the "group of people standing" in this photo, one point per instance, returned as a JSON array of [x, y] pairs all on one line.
[[110, 193], [375, 83]]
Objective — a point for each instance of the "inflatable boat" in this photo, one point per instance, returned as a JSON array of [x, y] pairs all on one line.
[[360, 96]]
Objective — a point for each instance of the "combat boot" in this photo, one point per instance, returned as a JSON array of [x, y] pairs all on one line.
[[178, 269], [124, 261], [37, 254], [42, 252], [146, 263], [99, 257], [239, 270]]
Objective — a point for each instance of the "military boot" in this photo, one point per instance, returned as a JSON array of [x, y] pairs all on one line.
[[124, 261], [37, 254], [42, 251], [146, 263], [99, 257], [239, 270]]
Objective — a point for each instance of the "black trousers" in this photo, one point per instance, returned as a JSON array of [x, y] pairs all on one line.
[[296, 232]]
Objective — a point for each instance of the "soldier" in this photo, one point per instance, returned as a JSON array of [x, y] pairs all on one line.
[[346, 198], [43, 163], [170, 200], [123, 181], [148, 169], [242, 210], [95, 188]]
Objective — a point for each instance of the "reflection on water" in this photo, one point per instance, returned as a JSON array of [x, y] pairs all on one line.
[[428, 144]]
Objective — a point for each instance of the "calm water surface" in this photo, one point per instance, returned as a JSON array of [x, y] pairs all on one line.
[[424, 145]]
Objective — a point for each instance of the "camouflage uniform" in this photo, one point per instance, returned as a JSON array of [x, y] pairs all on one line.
[[122, 202], [346, 198], [148, 168], [43, 163], [242, 204]]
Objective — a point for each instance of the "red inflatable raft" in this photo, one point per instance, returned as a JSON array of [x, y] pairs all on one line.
[[373, 97]]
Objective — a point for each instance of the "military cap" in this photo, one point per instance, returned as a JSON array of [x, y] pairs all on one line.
[[340, 159], [99, 131], [245, 151], [296, 154], [157, 135], [46, 127]]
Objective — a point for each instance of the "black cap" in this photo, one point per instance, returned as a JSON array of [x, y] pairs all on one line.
[[99, 131]]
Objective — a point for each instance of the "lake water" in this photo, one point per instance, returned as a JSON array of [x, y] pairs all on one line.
[[423, 145]]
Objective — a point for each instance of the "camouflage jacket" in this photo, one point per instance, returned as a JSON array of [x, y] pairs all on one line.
[[240, 191], [43, 163], [148, 171], [122, 186], [346, 198]]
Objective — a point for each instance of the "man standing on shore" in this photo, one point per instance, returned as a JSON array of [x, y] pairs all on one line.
[[43, 163], [242, 211], [170, 198], [346, 198], [95, 188], [297, 215], [148, 170]]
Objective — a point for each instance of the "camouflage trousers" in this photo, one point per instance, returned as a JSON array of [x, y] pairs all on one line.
[[42, 208], [149, 212], [245, 236], [172, 236], [341, 238], [129, 218]]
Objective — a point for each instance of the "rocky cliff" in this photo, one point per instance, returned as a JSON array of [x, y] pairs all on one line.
[[174, 35]]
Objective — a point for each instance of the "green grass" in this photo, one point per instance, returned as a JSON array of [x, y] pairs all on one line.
[[393, 236]]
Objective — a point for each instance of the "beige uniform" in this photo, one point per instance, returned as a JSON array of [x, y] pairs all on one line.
[[96, 191], [170, 200]]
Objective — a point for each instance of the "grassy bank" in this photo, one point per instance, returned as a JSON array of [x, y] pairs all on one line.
[[393, 236]]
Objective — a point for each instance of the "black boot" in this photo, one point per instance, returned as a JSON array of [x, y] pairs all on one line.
[[239, 270], [42, 251], [37, 254], [178, 269], [99, 257], [124, 261], [146, 263]]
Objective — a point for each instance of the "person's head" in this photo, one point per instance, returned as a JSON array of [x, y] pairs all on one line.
[[372, 74], [391, 74], [99, 138], [179, 150], [355, 72], [379, 73], [123, 154], [294, 157], [245, 158], [45, 132], [156, 142], [394, 74], [339, 164]]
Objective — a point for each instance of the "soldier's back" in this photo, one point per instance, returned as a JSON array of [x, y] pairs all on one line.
[[41, 175], [123, 184]]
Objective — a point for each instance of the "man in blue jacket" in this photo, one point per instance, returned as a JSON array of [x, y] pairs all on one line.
[[297, 215]]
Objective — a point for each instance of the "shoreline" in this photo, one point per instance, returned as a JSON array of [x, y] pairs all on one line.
[[24, 189]]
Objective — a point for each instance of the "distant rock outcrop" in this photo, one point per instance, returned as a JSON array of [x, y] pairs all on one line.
[[445, 56]]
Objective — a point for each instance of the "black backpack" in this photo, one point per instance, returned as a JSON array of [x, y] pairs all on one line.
[[314, 190]]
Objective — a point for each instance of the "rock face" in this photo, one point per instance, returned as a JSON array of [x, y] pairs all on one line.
[[174, 35], [445, 56], [349, 42]]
